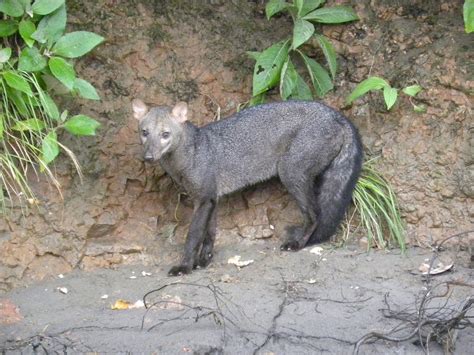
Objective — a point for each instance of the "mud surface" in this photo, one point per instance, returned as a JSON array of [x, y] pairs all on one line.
[[128, 213], [283, 303]]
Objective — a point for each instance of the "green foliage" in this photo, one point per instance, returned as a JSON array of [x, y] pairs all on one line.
[[390, 94], [37, 53], [377, 207], [275, 65], [468, 13]]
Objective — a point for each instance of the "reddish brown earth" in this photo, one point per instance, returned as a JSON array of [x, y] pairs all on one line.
[[126, 212]]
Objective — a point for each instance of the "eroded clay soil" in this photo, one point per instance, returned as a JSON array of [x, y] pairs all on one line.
[[126, 212]]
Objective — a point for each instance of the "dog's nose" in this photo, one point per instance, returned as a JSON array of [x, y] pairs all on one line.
[[148, 158]]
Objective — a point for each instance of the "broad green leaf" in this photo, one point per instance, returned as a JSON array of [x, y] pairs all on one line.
[[17, 82], [275, 6], [45, 7], [302, 31], [26, 29], [32, 124], [50, 107], [390, 96], [85, 89], [51, 27], [253, 54], [319, 76], [268, 67], [301, 90], [5, 54], [49, 147], [11, 8], [81, 125], [412, 90], [336, 14], [468, 14], [76, 44], [329, 54], [288, 79], [63, 71], [8, 27], [308, 6], [372, 83], [31, 60]]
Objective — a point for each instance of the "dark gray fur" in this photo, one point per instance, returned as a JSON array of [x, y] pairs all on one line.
[[314, 150]]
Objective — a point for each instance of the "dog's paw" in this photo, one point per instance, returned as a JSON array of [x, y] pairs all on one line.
[[179, 270], [291, 245], [204, 260]]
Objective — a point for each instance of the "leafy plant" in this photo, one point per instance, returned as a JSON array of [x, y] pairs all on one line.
[[468, 13], [35, 62], [275, 65], [390, 94], [377, 207]]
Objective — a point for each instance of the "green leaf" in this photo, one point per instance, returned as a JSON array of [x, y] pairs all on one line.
[[253, 54], [275, 6], [32, 124], [31, 60], [257, 100], [81, 125], [2, 118], [336, 14], [26, 29], [468, 14], [45, 7], [51, 27], [288, 79], [329, 54], [18, 99], [5, 54], [302, 31], [8, 27], [412, 90], [11, 8], [50, 107], [76, 44], [63, 116], [319, 76], [308, 6], [390, 96], [17, 82], [301, 90], [419, 108], [63, 71], [268, 67], [372, 83], [49, 147], [85, 89]]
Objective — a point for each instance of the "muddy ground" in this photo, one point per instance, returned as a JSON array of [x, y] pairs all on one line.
[[128, 216], [282, 303]]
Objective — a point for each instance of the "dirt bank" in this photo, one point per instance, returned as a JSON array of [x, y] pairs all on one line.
[[126, 212]]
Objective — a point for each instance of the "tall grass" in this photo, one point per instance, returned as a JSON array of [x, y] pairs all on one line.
[[378, 211], [21, 155]]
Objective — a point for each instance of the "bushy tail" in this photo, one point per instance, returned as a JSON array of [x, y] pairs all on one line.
[[335, 185]]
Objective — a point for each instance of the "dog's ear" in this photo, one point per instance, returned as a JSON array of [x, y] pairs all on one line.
[[180, 112], [140, 109]]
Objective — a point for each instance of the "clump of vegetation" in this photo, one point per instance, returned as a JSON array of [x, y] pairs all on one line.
[[275, 65], [35, 63], [390, 94], [377, 207]]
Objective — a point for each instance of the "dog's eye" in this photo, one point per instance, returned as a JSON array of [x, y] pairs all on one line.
[[144, 132], [165, 135]]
